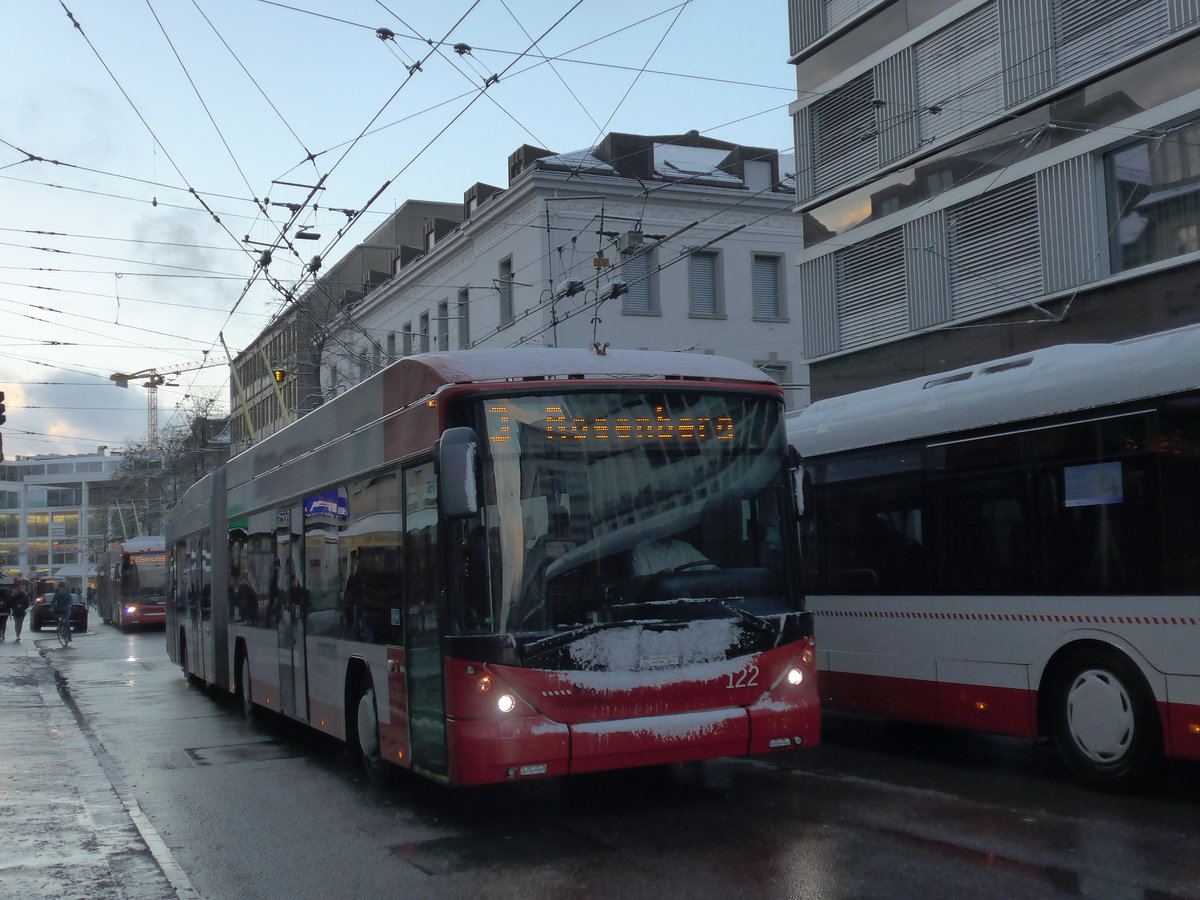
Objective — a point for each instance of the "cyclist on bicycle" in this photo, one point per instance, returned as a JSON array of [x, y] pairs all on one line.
[[62, 606]]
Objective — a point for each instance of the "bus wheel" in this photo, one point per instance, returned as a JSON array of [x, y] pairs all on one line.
[[366, 736], [249, 710], [191, 679], [1104, 720]]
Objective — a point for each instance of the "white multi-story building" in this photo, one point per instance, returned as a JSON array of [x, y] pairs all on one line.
[[54, 515], [984, 177], [676, 242]]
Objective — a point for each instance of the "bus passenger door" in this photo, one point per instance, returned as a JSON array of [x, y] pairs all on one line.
[[290, 592], [422, 610]]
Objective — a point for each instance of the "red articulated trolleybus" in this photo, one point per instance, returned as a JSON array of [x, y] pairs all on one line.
[[131, 582], [1011, 548], [500, 564]]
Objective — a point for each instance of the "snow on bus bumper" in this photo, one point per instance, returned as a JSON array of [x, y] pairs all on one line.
[[532, 746], [535, 746], [649, 740]]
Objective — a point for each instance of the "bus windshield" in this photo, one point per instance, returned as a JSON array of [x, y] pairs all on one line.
[[607, 506]]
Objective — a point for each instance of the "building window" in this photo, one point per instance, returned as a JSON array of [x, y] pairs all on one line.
[[464, 322], [424, 332], [406, 339], [639, 298], [1155, 80], [1153, 189], [443, 325], [703, 294], [768, 301], [391, 345], [504, 285]]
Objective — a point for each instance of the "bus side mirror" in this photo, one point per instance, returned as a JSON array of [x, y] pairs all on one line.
[[797, 473], [457, 488]]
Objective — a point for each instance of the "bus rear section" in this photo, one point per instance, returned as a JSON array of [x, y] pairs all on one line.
[[1009, 548], [542, 574]]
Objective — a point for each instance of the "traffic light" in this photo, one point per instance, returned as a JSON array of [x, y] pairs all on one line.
[[3, 417], [279, 374]]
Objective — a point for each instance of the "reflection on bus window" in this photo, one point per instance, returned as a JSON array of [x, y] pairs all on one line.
[[574, 485]]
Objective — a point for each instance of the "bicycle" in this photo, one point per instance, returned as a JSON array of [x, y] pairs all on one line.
[[64, 629]]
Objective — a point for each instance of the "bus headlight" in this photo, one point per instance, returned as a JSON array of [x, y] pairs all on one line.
[[506, 703], [795, 676]]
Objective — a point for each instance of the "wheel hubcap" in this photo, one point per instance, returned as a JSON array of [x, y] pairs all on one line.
[[368, 729], [1100, 716], [247, 705]]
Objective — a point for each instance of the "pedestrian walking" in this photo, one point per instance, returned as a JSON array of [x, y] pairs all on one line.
[[5, 603], [18, 603]]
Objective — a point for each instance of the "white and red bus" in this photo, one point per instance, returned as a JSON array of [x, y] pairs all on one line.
[[131, 582], [490, 565], [1011, 548]]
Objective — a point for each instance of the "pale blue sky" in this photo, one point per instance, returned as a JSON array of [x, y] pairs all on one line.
[[131, 143]]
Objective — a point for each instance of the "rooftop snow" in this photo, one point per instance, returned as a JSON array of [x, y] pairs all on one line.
[[1066, 378], [674, 161]]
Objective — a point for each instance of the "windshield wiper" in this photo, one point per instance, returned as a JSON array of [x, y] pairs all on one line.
[[758, 623], [555, 641]]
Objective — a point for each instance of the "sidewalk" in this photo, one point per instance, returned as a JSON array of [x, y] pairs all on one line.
[[69, 830]]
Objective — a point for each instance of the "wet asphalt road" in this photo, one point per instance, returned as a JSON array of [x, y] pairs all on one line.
[[195, 802]]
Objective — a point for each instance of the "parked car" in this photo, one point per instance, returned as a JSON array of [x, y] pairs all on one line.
[[41, 613]]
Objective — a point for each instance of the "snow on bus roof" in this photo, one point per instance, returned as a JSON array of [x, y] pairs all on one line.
[[1062, 379], [142, 543], [460, 366]]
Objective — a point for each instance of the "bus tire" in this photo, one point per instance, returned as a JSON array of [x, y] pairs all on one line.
[[245, 696], [183, 660], [365, 733], [1104, 720]]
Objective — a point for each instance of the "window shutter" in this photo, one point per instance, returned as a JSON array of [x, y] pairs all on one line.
[[817, 284], [995, 250], [1025, 25], [960, 73], [872, 300], [636, 273], [1090, 33], [766, 287], [504, 286], [702, 284], [843, 133], [840, 11], [757, 175]]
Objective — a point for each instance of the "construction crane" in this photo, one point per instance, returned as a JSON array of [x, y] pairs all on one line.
[[153, 380]]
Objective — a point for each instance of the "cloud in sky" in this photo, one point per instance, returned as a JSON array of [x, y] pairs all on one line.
[[170, 153]]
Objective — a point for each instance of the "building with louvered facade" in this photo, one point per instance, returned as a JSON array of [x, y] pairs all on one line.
[[981, 178]]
